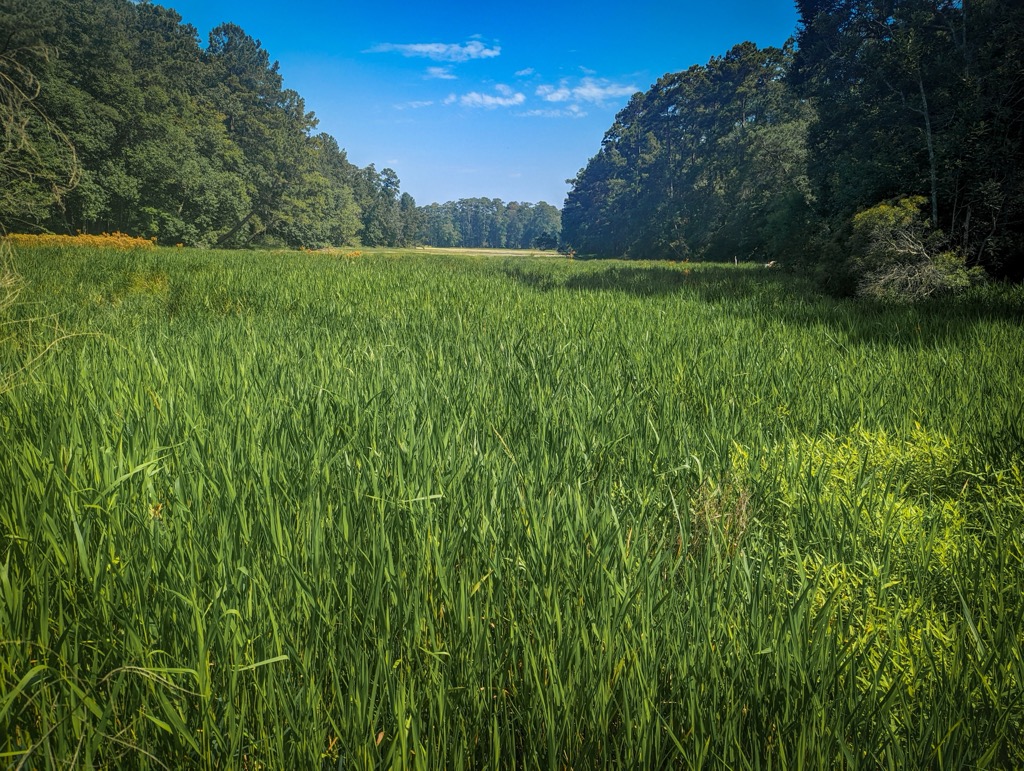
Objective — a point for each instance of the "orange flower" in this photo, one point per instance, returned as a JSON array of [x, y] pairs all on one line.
[[115, 240]]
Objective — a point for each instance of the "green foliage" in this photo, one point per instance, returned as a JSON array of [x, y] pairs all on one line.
[[490, 223], [935, 112], [769, 154], [909, 498], [709, 163], [194, 146], [546, 241], [458, 512], [899, 256], [383, 216]]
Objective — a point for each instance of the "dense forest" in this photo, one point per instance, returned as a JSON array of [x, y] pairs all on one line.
[[117, 119], [883, 148], [704, 164]]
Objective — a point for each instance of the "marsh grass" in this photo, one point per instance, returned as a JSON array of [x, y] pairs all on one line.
[[445, 511]]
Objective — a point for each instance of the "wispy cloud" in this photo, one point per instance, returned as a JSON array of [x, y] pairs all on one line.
[[525, 73], [440, 73], [572, 111], [506, 97], [476, 99], [552, 94], [415, 105], [440, 52], [594, 90]]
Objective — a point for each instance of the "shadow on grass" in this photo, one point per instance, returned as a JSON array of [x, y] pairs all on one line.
[[751, 291], [645, 280]]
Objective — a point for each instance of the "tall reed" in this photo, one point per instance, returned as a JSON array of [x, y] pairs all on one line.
[[283, 510]]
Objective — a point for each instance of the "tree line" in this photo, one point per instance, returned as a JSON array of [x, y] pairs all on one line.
[[490, 223], [883, 147], [115, 118]]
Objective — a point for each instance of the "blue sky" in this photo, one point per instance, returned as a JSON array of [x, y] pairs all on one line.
[[465, 99]]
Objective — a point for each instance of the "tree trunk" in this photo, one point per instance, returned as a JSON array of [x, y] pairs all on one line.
[[230, 234], [932, 170]]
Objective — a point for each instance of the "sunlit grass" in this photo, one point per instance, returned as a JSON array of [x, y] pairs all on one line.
[[441, 511]]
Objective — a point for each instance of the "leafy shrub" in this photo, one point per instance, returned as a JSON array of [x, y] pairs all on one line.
[[898, 256], [912, 504], [893, 490]]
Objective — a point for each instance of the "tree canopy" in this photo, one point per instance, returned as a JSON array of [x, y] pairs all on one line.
[[194, 145], [924, 98], [708, 163], [771, 154]]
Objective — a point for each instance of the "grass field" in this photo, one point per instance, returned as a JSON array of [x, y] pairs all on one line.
[[445, 511]]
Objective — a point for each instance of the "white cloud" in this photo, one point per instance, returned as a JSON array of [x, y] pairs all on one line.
[[552, 94], [600, 90], [451, 99], [440, 73], [506, 98], [415, 105], [594, 90], [440, 52], [525, 73]]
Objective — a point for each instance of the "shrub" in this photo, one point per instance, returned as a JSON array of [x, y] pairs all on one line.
[[898, 256], [113, 240]]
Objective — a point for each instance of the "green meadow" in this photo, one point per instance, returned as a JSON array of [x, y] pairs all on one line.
[[414, 510]]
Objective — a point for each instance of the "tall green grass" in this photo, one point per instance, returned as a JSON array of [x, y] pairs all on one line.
[[276, 510]]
